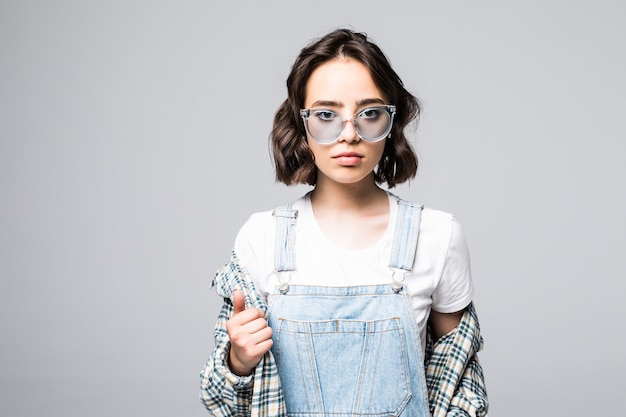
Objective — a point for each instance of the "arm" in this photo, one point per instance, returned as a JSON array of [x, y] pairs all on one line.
[[456, 385], [443, 323], [470, 398], [455, 380], [250, 336], [222, 392]]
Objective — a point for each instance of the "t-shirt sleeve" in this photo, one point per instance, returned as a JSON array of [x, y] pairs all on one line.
[[455, 289], [244, 248], [254, 247]]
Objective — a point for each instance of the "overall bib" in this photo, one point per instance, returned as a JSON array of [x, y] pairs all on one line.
[[348, 351]]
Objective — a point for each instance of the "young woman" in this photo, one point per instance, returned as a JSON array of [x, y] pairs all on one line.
[[332, 303]]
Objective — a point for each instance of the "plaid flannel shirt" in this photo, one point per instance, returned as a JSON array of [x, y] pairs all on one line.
[[454, 377]]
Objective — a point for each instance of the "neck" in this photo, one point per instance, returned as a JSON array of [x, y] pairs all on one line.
[[360, 196], [353, 216]]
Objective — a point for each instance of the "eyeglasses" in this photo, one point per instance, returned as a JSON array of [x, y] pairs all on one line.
[[372, 124]]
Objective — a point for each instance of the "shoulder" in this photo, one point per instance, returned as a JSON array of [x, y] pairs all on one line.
[[441, 237], [443, 230], [444, 241], [436, 226], [432, 220], [258, 223], [255, 233], [438, 222], [260, 229], [437, 218]]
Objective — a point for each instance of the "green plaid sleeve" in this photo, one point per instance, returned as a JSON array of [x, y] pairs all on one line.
[[222, 392], [454, 376]]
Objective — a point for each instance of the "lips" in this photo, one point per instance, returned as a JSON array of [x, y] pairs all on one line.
[[348, 158]]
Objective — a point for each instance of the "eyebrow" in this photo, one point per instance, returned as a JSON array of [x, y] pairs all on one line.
[[364, 102]]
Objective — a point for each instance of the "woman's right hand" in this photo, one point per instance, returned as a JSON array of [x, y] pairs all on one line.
[[250, 337]]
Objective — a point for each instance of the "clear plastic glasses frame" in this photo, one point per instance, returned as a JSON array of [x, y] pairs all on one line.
[[371, 124]]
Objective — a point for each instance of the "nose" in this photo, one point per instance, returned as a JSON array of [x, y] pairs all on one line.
[[348, 134]]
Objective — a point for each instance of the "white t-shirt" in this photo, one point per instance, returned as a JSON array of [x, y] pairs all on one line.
[[440, 279]]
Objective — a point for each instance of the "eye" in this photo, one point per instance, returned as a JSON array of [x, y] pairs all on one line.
[[325, 115], [371, 113]]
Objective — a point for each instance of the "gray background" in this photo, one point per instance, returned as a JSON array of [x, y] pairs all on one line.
[[134, 145]]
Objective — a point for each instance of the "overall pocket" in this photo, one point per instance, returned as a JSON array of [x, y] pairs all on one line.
[[343, 367]]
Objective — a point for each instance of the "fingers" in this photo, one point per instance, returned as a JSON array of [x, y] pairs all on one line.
[[248, 348], [248, 327], [242, 359], [239, 302], [251, 339], [242, 316], [249, 334]]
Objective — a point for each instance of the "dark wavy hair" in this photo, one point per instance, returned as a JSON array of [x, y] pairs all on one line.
[[291, 153]]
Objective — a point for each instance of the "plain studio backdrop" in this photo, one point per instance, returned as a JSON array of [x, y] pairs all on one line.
[[134, 145]]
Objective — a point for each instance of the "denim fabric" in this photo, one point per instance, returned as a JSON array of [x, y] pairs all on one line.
[[284, 257], [349, 351], [406, 235]]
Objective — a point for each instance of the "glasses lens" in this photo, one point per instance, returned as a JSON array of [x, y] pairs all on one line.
[[324, 125], [373, 123]]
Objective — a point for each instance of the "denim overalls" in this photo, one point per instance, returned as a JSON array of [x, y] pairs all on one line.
[[348, 351]]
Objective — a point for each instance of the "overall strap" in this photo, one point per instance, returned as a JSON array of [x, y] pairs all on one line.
[[406, 235], [284, 249], [403, 249]]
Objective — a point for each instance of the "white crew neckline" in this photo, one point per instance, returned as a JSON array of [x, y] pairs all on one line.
[[383, 241]]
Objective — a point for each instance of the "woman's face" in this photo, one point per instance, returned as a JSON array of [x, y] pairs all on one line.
[[344, 86]]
